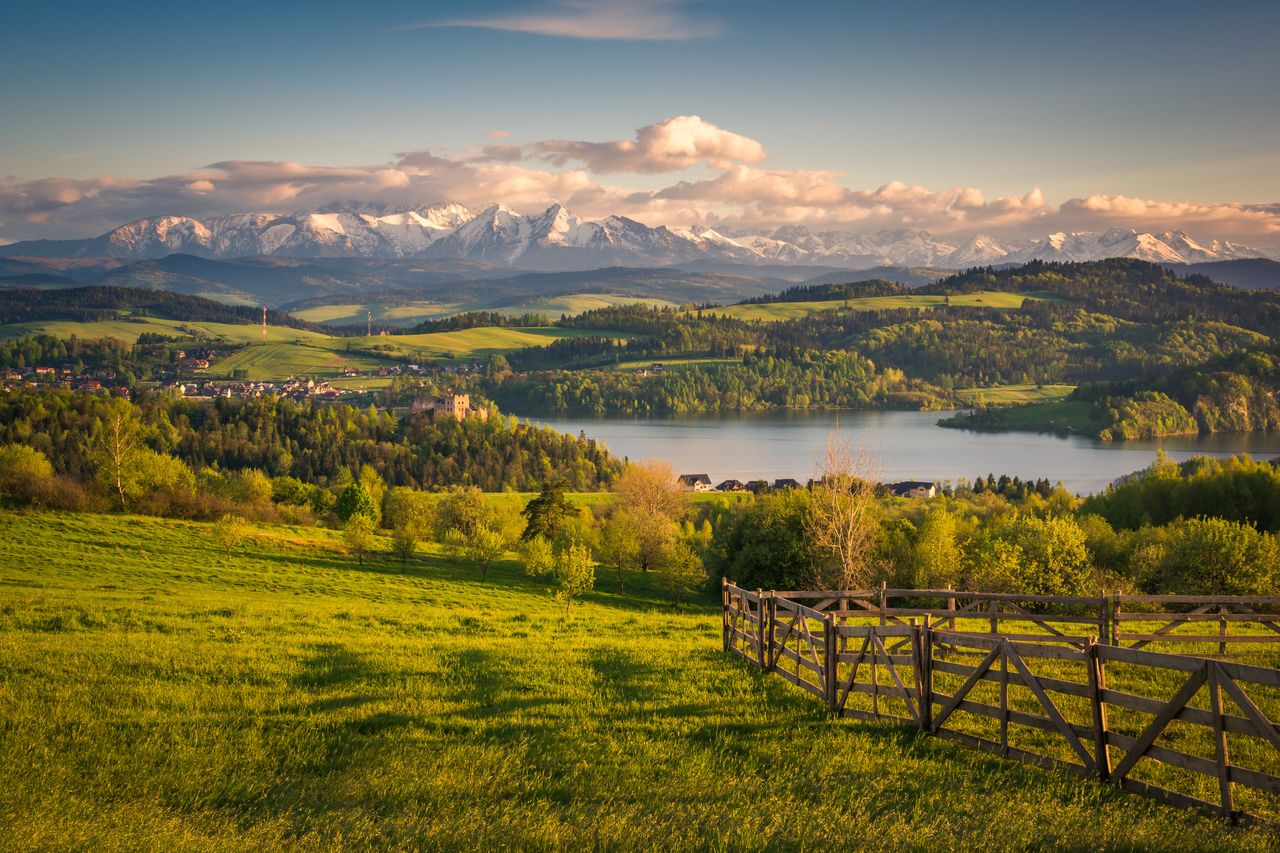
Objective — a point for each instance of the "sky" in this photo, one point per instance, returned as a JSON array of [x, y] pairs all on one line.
[[958, 118]]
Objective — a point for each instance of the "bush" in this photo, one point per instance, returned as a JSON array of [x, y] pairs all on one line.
[[763, 544], [1212, 556], [25, 473], [356, 500], [537, 557]]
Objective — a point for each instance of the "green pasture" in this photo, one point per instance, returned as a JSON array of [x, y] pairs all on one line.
[[160, 693], [1013, 395], [773, 311], [128, 329]]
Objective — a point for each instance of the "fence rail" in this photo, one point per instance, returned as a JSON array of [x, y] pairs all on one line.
[[1189, 731]]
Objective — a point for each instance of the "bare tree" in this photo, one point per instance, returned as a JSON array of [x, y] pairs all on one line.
[[842, 521]]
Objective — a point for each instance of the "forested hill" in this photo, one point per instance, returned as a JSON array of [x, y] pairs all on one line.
[[1127, 289], [88, 304], [832, 290]]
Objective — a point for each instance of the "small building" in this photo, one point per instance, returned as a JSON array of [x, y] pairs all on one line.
[[913, 489], [695, 482], [758, 487], [449, 406], [657, 367], [786, 483], [732, 486]]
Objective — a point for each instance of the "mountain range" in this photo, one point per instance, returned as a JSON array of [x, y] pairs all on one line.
[[556, 240]]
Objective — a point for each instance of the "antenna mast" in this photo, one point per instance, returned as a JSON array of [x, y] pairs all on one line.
[[264, 324], [369, 317]]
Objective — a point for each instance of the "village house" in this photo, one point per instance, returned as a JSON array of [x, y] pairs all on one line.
[[786, 483], [732, 486], [913, 489], [695, 482]]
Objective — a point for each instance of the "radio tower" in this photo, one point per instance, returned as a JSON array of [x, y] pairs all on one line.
[[369, 318], [264, 324]]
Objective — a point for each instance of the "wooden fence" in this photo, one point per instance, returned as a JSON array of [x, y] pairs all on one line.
[[1135, 621], [1153, 723]]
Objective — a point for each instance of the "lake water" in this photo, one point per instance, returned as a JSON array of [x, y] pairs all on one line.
[[907, 446]]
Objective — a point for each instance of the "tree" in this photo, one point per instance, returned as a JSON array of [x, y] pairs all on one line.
[[484, 547], [762, 544], [230, 532], [937, 554], [575, 573], [620, 544], [1213, 556], [410, 510], [358, 534], [1054, 559], [356, 500], [116, 441], [842, 521], [460, 508], [403, 544], [681, 572], [650, 490], [546, 514], [537, 557], [24, 472]]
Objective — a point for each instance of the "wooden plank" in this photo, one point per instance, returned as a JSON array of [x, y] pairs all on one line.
[[1033, 684], [1163, 660], [815, 689], [1189, 688], [1264, 727], [1200, 638], [1070, 688], [893, 672], [1194, 763], [1020, 755], [1189, 714], [1196, 617], [1221, 762], [1253, 674], [792, 655], [1254, 779], [1091, 601], [853, 675], [1164, 795], [965, 688], [1202, 599]]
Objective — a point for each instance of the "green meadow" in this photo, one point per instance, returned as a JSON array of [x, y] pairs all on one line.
[[774, 311], [160, 693], [1014, 395]]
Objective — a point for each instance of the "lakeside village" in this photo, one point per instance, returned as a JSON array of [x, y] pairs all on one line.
[[702, 483], [189, 377]]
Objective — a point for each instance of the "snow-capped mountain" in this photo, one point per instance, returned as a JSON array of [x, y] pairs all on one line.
[[557, 240]]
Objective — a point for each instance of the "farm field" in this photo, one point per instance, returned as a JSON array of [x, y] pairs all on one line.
[[263, 362], [160, 693], [793, 310], [1013, 395]]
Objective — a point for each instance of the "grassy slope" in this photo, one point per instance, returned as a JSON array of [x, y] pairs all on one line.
[[793, 310], [129, 330], [578, 303], [157, 693], [1012, 395]]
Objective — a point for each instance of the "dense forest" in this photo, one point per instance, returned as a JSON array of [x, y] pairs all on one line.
[[87, 304], [311, 441]]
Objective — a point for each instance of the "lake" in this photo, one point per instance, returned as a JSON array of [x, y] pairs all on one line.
[[907, 445]]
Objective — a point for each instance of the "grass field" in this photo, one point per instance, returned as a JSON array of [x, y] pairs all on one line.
[[159, 694], [578, 303], [355, 313], [1014, 395], [128, 330], [794, 310], [674, 363]]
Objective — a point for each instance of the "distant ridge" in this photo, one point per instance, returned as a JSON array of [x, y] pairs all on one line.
[[556, 240]]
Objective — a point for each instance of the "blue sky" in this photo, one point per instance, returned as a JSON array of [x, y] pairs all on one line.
[[1177, 103]]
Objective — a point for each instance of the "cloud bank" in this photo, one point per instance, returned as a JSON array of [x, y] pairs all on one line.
[[725, 183]]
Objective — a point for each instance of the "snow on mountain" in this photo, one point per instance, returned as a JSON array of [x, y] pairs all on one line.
[[556, 239]]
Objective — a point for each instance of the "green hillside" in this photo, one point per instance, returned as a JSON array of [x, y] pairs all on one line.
[[794, 310], [159, 693]]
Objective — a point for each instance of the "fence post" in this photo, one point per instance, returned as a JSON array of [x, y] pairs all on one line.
[[994, 607], [1114, 638], [724, 612], [830, 660], [883, 584], [771, 634], [1104, 629], [924, 673], [951, 608], [1097, 674], [761, 609], [1222, 629], [1220, 738]]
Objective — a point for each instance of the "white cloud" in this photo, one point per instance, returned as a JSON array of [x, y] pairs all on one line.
[[635, 20], [667, 146], [740, 191]]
